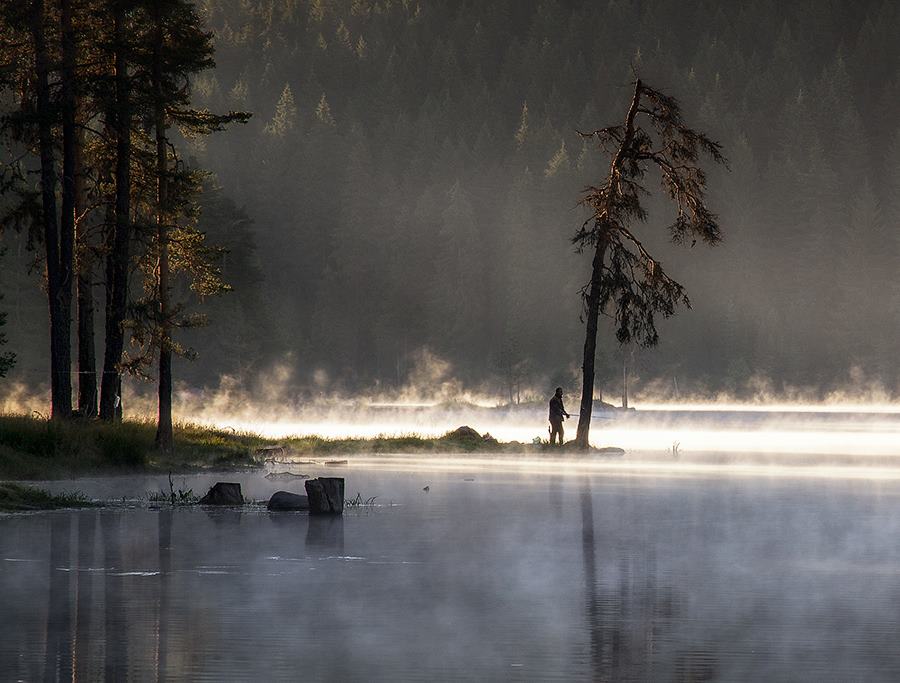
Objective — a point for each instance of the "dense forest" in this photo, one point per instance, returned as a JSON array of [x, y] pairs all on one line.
[[401, 205]]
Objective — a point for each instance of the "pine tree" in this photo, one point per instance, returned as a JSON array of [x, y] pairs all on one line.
[[625, 277], [558, 163], [323, 112], [32, 40], [179, 48], [522, 130], [119, 120], [285, 116]]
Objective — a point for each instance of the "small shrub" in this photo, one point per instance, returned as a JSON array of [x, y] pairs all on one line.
[[181, 496]]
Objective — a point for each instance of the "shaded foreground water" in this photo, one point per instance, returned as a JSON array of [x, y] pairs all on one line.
[[494, 573]]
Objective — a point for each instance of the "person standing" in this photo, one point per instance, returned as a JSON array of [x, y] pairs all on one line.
[[557, 415]]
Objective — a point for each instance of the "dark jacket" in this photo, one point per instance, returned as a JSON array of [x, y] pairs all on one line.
[[557, 410]]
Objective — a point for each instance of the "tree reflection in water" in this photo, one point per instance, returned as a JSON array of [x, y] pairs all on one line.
[[116, 617], [325, 532], [84, 601], [57, 656], [165, 572], [627, 613]]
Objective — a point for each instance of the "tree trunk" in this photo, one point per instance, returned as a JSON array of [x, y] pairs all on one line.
[[117, 257], [590, 347], [74, 194], [164, 437], [69, 93], [87, 354], [60, 360], [582, 437]]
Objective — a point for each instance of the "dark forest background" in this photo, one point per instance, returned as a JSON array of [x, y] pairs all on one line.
[[407, 190]]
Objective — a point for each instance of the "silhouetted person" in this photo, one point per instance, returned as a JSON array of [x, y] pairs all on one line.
[[557, 415]]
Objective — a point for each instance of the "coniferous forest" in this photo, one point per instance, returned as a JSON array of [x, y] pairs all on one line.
[[402, 202]]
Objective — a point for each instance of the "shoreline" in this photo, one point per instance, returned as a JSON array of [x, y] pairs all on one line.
[[33, 448]]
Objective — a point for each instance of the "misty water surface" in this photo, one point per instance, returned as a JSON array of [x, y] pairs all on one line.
[[494, 573]]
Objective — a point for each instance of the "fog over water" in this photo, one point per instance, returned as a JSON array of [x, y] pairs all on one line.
[[494, 573]]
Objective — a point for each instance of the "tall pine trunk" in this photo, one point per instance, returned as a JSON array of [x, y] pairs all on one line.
[[55, 243], [590, 347], [582, 438], [120, 233], [164, 437], [87, 354], [71, 221]]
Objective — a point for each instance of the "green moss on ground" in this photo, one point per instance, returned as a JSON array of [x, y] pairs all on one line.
[[17, 498]]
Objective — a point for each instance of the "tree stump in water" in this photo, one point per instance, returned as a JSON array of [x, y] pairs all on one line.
[[285, 500], [223, 493], [326, 495]]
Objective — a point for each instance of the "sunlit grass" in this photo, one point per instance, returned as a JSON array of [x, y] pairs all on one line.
[[404, 443], [36, 448]]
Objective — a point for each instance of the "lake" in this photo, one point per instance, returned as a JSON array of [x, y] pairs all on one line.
[[545, 571]]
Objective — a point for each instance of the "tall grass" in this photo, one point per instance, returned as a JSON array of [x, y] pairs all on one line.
[[15, 497], [36, 448]]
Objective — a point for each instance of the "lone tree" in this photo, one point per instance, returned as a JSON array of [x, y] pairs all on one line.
[[627, 282]]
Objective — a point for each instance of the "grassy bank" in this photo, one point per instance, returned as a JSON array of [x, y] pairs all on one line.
[[18, 498], [462, 440], [33, 448]]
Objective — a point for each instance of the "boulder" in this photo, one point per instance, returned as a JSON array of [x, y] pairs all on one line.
[[285, 500], [223, 493], [326, 495], [462, 434]]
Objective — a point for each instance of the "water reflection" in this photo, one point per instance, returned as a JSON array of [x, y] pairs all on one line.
[[325, 532], [589, 558], [57, 657], [115, 614], [505, 576], [85, 646], [163, 609], [627, 613]]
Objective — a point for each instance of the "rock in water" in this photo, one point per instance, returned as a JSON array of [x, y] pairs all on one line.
[[285, 500], [326, 495], [223, 493]]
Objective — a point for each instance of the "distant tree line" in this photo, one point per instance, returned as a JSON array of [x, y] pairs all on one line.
[[426, 153], [413, 168], [92, 89]]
